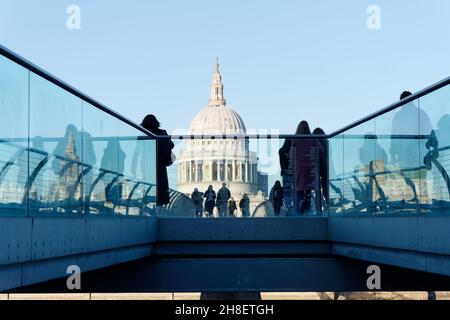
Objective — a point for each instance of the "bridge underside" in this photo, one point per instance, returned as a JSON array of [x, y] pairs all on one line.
[[254, 255]]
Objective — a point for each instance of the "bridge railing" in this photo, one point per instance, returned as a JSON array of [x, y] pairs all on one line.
[[396, 161], [249, 165], [62, 152]]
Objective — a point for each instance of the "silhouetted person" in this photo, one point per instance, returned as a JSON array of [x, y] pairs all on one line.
[[323, 170], [408, 153], [164, 159], [287, 172], [244, 204], [306, 167], [373, 159], [371, 150], [73, 154], [232, 207], [197, 198], [61, 147], [113, 160], [82, 144], [113, 157], [210, 200], [223, 195], [276, 197], [410, 120]]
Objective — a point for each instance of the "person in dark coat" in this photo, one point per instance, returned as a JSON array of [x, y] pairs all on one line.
[[306, 153], [276, 197], [210, 200], [197, 198], [287, 176], [244, 204], [323, 170], [232, 207], [164, 158], [223, 195]]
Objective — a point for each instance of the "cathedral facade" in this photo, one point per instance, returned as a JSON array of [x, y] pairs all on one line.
[[213, 161]]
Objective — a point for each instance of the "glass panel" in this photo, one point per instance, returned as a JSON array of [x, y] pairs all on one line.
[[13, 137], [101, 152], [137, 170], [400, 181], [336, 173], [361, 164], [55, 160], [59, 154], [434, 116], [245, 166]]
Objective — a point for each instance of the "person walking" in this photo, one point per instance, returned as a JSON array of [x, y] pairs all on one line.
[[306, 153], [244, 205], [197, 198], [210, 196], [287, 173], [322, 197], [223, 195], [232, 207], [164, 158], [276, 197]]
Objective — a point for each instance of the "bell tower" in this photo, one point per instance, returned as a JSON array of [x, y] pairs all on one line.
[[217, 98]]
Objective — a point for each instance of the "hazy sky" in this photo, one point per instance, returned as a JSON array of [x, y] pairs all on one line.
[[281, 61]]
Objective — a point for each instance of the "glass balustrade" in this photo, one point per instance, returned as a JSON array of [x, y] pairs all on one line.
[[396, 163], [62, 155]]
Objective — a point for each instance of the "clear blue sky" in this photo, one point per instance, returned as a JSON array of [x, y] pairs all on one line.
[[281, 61]]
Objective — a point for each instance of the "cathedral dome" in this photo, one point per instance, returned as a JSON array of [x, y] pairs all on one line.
[[217, 118]]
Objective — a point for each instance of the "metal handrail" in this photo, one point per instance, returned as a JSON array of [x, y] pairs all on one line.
[[395, 105], [44, 74]]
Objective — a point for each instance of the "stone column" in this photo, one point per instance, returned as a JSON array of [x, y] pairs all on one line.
[[196, 170], [211, 170], [225, 167], [233, 170], [246, 171]]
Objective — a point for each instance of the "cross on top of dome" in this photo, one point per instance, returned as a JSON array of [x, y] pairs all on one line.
[[216, 98]]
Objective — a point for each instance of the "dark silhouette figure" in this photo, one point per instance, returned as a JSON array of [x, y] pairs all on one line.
[[60, 149], [113, 157], [287, 174], [306, 153], [164, 148], [113, 160], [223, 195], [210, 200], [276, 197], [407, 150], [244, 204], [323, 170], [371, 150], [197, 198], [232, 207], [82, 144]]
